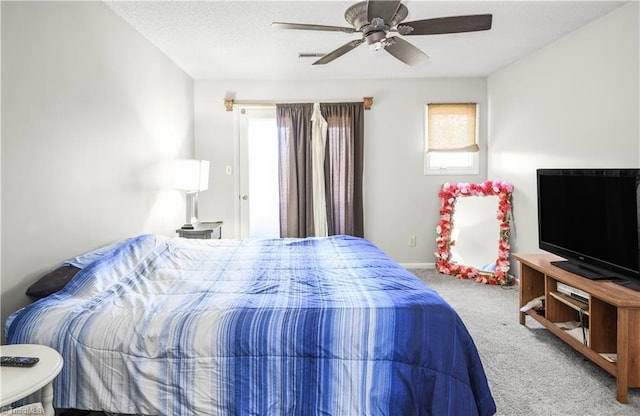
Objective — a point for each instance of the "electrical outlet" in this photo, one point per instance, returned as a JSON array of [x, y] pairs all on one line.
[[412, 241]]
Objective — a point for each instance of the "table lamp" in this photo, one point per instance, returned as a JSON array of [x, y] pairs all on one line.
[[191, 176]]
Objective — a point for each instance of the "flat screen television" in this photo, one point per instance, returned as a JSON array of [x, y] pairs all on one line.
[[591, 218]]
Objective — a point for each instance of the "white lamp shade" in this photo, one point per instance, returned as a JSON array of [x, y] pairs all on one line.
[[191, 175]]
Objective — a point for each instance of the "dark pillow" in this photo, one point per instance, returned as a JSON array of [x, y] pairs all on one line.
[[52, 282]]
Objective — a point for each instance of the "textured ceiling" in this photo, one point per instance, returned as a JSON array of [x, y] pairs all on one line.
[[234, 40]]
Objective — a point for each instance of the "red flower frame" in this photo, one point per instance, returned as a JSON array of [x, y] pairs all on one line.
[[448, 195]]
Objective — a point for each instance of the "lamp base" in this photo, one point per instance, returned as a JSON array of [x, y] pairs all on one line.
[[192, 212]]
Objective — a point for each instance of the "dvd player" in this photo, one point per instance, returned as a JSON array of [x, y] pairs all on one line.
[[573, 292]]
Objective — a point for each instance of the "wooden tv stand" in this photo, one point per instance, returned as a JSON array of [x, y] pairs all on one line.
[[613, 315]]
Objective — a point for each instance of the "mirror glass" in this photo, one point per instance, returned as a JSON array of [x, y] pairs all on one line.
[[474, 231]]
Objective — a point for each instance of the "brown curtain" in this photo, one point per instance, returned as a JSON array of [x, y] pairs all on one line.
[[343, 168], [296, 187]]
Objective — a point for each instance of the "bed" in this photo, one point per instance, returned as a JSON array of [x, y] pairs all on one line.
[[316, 326]]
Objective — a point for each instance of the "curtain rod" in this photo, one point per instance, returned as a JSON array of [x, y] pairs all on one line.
[[229, 102]]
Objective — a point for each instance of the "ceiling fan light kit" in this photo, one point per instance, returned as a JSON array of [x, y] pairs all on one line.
[[377, 19]]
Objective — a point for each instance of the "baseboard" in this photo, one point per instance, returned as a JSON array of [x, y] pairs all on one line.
[[418, 265]]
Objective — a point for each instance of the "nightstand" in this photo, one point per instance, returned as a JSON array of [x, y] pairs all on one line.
[[203, 230], [19, 382]]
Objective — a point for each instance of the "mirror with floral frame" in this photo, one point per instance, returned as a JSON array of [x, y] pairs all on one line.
[[490, 271]]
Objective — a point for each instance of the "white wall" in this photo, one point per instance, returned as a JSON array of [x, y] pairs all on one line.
[[399, 199], [573, 103], [92, 117]]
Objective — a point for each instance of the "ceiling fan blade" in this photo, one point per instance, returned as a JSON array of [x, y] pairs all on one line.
[[382, 8], [404, 51], [339, 52], [303, 26], [454, 24]]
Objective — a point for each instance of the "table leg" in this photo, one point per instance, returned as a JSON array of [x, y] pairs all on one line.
[[47, 400]]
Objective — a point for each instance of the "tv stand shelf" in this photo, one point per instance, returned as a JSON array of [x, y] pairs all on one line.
[[569, 301], [612, 314]]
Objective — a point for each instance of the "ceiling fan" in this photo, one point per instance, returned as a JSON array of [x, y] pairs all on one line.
[[377, 19]]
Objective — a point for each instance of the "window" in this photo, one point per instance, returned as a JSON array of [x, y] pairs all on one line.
[[451, 145]]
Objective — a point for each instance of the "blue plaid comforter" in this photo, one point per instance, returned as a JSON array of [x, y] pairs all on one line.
[[317, 326]]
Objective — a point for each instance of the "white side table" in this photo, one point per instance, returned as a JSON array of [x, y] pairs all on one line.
[[19, 382]]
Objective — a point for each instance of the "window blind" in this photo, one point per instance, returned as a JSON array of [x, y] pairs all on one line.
[[451, 127]]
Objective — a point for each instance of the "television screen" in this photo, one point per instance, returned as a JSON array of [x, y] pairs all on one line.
[[591, 218]]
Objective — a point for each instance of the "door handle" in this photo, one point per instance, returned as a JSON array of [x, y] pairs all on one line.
[[244, 197]]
